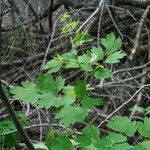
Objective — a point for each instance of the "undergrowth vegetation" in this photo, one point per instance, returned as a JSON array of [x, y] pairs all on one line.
[[72, 103]]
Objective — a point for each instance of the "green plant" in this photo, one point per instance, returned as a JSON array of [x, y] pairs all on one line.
[[141, 110], [73, 103], [8, 138], [45, 93]]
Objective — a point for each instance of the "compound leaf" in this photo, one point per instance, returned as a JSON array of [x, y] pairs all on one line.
[[53, 65], [102, 73], [85, 64], [123, 125], [116, 137], [71, 114], [98, 53], [46, 83], [111, 43], [89, 135], [114, 57], [81, 38], [26, 93], [89, 102], [46, 100], [144, 128]]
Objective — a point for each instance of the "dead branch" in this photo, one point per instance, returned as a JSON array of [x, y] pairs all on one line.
[[124, 104], [137, 39]]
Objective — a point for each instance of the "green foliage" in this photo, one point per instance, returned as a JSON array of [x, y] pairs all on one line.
[[26, 93], [55, 142], [80, 89], [62, 142], [118, 141], [70, 115], [45, 83], [123, 125], [7, 137], [69, 25], [144, 111], [111, 43], [137, 109], [93, 60], [6, 126], [81, 38], [89, 135], [102, 73], [53, 66], [23, 118], [144, 128], [47, 100], [59, 82], [9, 140], [73, 103], [98, 53], [116, 137], [43, 93], [89, 102], [113, 142], [71, 59], [91, 138], [142, 146], [85, 63], [65, 17], [114, 57]]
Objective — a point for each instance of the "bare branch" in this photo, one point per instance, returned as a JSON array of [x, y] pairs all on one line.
[[124, 104]]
